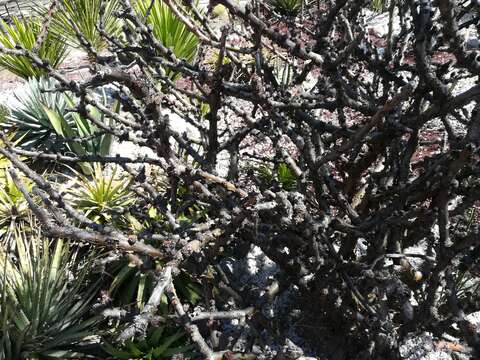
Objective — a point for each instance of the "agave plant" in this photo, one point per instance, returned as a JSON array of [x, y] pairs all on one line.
[[86, 16], [30, 119], [42, 121], [104, 197], [169, 30], [44, 301], [24, 32]]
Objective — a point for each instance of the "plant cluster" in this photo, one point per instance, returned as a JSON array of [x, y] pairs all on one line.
[[296, 185]]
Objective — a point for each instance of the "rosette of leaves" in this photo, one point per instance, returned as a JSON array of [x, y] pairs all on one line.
[[283, 73], [104, 196], [30, 120], [43, 121], [23, 33], [44, 301]]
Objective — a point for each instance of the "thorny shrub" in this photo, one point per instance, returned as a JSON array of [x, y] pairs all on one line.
[[376, 239]]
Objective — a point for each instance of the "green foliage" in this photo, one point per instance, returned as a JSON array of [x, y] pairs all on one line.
[[103, 197], [160, 343], [4, 113], [169, 30], [24, 32], [131, 286], [284, 175], [14, 210], [86, 15], [287, 7], [44, 301], [377, 5], [189, 289], [82, 128], [283, 72], [465, 285], [42, 122], [30, 120]]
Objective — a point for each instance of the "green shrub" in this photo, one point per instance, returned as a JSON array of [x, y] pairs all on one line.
[[219, 11], [23, 32]]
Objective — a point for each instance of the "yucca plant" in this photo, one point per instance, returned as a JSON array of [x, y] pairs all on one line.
[[30, 119], [104, 197], [44, 301], [160, 343], [42, 121], [169, 30], [23, 32], [86, 15]]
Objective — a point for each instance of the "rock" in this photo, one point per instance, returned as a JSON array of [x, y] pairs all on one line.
[[474, 318], [291, 351], [378, 23], [472, 43], [422, 347]]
